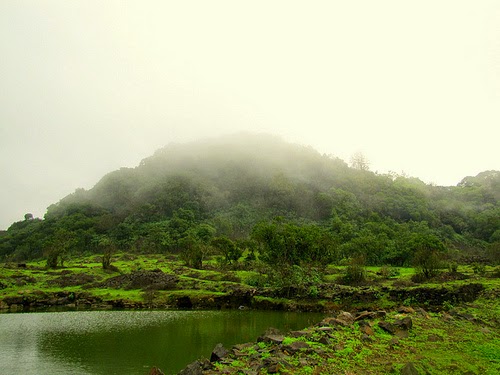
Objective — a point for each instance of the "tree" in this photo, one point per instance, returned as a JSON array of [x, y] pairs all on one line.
[[58, 247], [227, 248], [28, 216], [359, 161], [108, 247], [428, 252]]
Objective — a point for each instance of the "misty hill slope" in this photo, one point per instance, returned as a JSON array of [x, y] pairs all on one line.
[[230, 184], [261, 171]]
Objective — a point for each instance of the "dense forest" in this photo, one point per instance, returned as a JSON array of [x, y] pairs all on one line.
[[260, 197]]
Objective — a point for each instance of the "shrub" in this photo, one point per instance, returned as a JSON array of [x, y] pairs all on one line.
[[427, 262], [478, 268], [355, 272], [387, 272]]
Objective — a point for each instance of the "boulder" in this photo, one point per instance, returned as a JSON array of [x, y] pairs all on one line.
[[271, 338], [296, 346], [196, 367], [346, 317], [218, 353], [388, 327], [404, 324]]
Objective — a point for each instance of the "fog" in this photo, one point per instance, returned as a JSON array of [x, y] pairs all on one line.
[[88, 87]]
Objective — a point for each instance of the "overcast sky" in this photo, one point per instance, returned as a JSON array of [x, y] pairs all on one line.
[[87, 87]]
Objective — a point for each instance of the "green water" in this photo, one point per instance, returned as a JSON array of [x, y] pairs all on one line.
[[127, 342]]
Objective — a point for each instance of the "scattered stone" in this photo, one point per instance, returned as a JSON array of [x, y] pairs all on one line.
[[365, 315], [406, 310], [423, 313], [195, 368], [271, 338], [272, 365], [333, 322], [218, 353], [409, 369], [404, 324], [324, 340], [388, 327], [367, 330], [303, 333], [296, 346], [346, 317]]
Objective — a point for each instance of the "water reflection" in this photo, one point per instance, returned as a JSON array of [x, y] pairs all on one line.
[[127, 342]]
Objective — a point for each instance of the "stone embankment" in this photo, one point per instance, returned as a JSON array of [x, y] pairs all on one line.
[[341, 297]]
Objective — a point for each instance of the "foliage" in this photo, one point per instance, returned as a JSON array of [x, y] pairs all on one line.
[[355, 271], [297, 206]]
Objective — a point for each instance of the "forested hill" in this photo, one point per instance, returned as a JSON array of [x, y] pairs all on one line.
[[241, 187]]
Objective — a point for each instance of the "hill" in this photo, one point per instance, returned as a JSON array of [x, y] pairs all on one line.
[[243, 192]]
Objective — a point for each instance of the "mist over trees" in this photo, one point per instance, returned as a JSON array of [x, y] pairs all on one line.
[[287, 203]]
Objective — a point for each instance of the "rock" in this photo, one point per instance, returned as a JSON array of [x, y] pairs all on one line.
[[195, 368], [346, 317], [333, 322], [324, 340], [409, 369], [156, 371], [365, 315], [423, 313], [406, 310], [296, 346], [218, 353], [303, 333], [388, 327], [404, 324], [369, 315], [272, 365], [367, 330], [271, 338]]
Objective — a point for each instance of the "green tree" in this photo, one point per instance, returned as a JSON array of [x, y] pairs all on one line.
[[227, 248]]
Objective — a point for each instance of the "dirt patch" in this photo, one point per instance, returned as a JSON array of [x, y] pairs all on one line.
[[73, 279], [147, 280]]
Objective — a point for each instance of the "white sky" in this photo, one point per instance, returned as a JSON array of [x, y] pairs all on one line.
[[89, 86]]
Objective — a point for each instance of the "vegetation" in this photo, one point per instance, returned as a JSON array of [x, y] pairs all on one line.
[[286, 204]]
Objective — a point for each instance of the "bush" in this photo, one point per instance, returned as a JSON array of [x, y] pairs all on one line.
[[355, 272], [387, 272], [453, 267], [478, 268], [427, 262]]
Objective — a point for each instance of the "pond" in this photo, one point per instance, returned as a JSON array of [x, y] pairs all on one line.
[[128, 342]]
